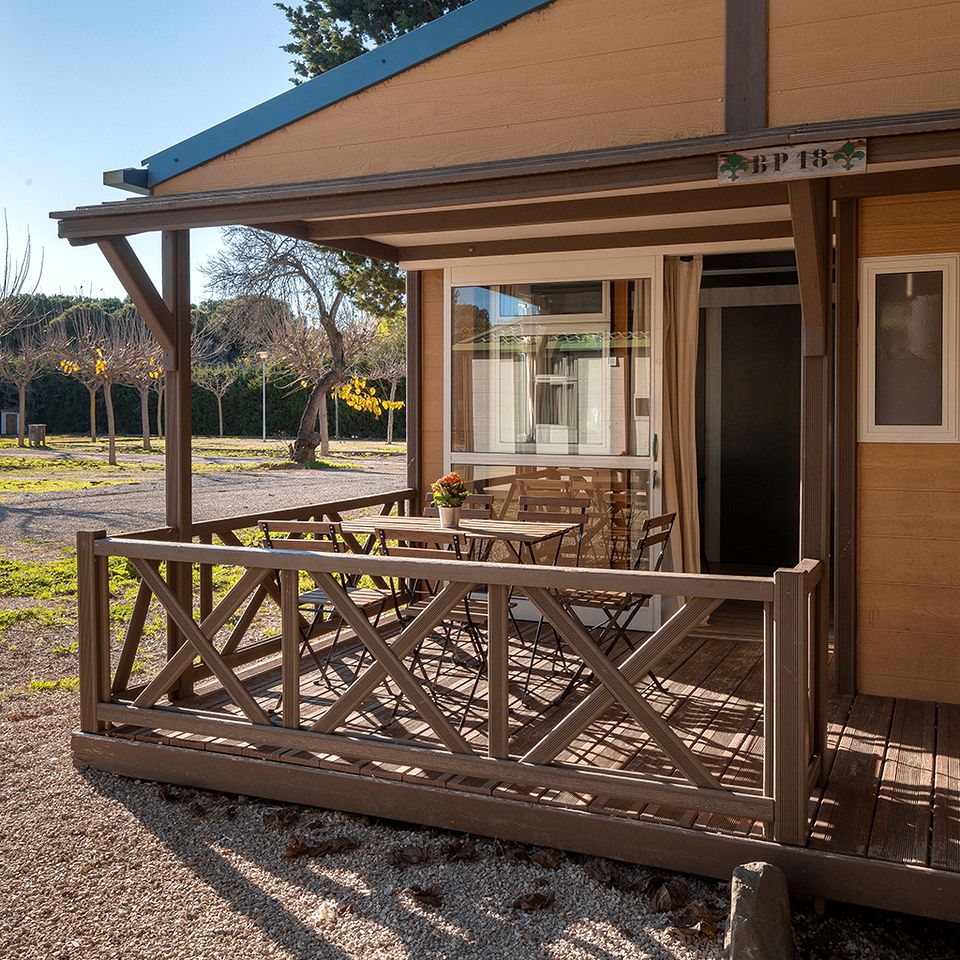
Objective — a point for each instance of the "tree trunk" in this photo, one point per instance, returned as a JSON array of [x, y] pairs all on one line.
[[160, 411], [111, 425], [390, 412], [93, 413], [22, 397], [304, 448], [324, 427], [145, 416], [336, 415], [220, 412]]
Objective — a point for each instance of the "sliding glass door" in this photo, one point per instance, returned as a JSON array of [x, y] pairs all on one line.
[[553, 387]]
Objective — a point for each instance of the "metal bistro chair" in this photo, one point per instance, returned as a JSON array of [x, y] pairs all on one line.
[[326, 539], [418, 591], [553, 509], [621, 608]]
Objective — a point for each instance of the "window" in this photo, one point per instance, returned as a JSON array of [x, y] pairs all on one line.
[[908, 342]]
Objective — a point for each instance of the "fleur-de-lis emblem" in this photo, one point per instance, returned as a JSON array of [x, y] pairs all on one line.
[[733, 165], [848, 155]]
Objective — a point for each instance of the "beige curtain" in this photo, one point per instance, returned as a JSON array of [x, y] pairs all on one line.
[[681, 328]]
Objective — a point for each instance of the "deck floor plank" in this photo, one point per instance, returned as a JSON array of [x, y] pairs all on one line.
[[901, 824], [945, 837], [845, 817]]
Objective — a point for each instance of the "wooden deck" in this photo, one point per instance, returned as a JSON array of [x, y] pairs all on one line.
[[892, 793]]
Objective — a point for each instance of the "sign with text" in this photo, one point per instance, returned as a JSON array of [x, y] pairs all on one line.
[[793, 161]]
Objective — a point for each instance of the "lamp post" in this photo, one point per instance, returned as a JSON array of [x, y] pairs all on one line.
[[263, 390]]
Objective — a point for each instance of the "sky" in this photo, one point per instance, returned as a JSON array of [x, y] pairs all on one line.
[[94, 85]]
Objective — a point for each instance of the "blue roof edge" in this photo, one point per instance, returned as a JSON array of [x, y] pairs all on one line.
[[367, 70]]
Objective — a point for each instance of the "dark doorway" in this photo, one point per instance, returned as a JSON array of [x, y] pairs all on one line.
[[750, 428]]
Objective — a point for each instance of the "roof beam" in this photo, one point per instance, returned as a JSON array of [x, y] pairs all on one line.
[[556, 211], [363, 247], [135, 280], [680, 236], [897, 139]]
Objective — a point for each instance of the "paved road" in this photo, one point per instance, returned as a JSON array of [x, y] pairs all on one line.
[[58, 516]]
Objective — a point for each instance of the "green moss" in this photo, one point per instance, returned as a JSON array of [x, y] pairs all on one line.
[[70, 684], [43, 616], [39, 579]]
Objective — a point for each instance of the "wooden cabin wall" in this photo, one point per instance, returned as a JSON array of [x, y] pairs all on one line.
[[908, 536], [577, 75], [861, 58], [431, 391]]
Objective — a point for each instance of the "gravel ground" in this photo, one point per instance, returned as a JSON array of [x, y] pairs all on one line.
[[57, 516]]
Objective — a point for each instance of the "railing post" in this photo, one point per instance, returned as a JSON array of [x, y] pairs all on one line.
[[206, 582], [498, 640], [769, 734], [290, 641], [789, 707], [93, 630]]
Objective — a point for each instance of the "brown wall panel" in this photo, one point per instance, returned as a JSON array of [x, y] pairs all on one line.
[[908, 513], [576, 75], [861, 58], [432, 389]]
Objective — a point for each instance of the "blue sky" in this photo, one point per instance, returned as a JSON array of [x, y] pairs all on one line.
[[94, 85]]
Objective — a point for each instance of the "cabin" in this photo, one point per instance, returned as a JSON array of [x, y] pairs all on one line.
[[689, 259]]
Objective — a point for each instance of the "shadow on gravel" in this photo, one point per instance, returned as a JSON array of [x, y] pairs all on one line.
[[385, 869]]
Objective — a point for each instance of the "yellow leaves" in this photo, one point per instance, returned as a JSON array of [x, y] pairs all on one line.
[[358, 396], [69, 367]]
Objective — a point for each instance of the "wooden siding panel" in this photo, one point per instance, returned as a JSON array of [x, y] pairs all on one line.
[[862, 58], [573, 76], [431, 442], [908, 514]]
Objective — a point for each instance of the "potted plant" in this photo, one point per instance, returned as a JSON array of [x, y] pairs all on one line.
[[449, 494]]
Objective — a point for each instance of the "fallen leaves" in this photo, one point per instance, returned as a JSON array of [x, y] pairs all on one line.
[[535, 900], [299, 847], [667, 894], [408, 856], [431, 896], [698, 919], [282, 817], [461, 851], [611, 875]]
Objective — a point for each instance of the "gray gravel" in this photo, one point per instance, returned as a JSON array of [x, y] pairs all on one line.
[[96, 866], [58, 516]]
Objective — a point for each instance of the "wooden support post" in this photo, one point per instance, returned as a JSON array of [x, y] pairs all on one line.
[[789, 707], [810, 213], [498, 649], [206, 582], [94, 637], [414, 386], [290, 646], [179, 480], [845, 381], [769, 733]]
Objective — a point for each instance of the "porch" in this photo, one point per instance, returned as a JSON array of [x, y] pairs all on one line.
[[739, 756]]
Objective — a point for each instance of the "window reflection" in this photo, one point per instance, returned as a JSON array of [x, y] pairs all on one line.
[[909, 355]]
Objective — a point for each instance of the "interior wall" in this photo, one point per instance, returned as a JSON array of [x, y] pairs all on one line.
[[861, 58], [908, 512]]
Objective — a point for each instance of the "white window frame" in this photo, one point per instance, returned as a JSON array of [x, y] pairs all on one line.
[[871, 431], [536, 268]]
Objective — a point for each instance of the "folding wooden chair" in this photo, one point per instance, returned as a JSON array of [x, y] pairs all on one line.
[[324, 538], [621, 608], [478, 507], [463, 617]]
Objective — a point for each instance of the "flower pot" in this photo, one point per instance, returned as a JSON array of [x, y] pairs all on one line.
[[450, 517]]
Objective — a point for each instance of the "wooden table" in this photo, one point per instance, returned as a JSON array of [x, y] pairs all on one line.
[[517, 534]]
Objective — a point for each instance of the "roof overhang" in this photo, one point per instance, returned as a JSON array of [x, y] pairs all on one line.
[[647, 195]]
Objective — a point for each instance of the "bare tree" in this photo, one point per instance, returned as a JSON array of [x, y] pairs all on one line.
[[307, 341], [13, 284], [25, 353], [388, 361], [218, 380], [142, 366], [98, 349]]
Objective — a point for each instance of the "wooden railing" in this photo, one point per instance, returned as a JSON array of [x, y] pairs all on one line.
[[213, 647]]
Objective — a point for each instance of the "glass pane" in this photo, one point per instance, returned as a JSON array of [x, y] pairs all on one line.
[[536, 385], [909, 355], [617, 503], [551, 299]]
